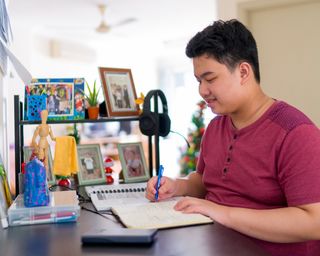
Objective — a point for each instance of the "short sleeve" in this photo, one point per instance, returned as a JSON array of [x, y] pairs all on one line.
[[299, 165]]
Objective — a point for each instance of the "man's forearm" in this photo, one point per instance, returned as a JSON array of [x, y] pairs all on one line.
[[190, 186], [291, 224]]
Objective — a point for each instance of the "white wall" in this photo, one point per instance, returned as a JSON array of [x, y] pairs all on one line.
[[288, 47]]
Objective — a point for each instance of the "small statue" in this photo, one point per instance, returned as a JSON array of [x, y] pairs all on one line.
[[42, 147]]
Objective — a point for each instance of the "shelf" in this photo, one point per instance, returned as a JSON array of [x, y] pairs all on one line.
[[19, 136], [100, 120]]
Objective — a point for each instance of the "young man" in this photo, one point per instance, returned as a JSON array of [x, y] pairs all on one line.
[[259, 165]]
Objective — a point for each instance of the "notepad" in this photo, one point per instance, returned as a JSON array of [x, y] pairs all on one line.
[[156, 215]]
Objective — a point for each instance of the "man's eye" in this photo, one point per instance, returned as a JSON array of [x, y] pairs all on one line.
[[210, 80]]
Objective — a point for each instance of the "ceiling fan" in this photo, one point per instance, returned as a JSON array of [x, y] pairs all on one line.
[[104, 27]]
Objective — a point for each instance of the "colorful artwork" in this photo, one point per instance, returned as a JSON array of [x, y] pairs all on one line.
[[64, 98]]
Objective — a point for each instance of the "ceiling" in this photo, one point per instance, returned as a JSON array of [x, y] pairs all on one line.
[[165, 20]]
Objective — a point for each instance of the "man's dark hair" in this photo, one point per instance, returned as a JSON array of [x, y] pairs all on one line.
[[228, 42]]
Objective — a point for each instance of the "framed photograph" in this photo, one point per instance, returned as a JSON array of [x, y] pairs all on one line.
[[133, 162], [27, 152], [119, 92], [62, 97], [91, 165]]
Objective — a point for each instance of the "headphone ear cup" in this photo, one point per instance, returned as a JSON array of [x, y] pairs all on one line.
[[148, 123], [164, 125]]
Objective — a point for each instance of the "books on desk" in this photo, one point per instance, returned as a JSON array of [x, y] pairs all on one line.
[[63, 207], [104, 197]]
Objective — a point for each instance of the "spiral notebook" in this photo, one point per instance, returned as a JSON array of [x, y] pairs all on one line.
[[104, 197]]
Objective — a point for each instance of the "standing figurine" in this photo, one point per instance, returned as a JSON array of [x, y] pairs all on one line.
[[42, 148]]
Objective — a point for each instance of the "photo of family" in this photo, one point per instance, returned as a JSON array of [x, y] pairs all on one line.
[[59, 97], [119, 91], [90, 164], [133, 162]]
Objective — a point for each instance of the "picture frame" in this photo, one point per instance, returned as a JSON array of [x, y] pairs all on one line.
[[119, 92], [133, 162], [27, 152], [62, 97], [91, 168]]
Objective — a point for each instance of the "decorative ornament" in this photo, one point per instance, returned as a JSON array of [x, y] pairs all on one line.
[[64, 182], [108, 163], [139, 101]]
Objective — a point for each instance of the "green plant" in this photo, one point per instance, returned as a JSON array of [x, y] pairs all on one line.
[[92, 95]]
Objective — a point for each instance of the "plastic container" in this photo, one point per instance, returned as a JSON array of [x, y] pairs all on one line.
[[63, 207]]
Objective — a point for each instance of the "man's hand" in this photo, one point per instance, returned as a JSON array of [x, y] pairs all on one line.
[[168, 188], [196, 205]]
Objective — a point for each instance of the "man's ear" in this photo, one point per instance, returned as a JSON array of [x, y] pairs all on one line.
[[245, 71]]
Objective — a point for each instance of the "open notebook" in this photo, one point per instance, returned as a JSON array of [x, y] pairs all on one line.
[[156, 215]]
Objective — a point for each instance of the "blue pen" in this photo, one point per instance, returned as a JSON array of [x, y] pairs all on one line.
[[158, 182]]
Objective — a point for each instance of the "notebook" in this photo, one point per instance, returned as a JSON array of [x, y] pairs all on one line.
[[156, 215], [104, 197]]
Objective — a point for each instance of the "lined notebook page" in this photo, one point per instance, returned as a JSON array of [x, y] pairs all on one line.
[[156, 215]]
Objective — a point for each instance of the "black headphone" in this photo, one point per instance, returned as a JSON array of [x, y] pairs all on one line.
[[150, 122]]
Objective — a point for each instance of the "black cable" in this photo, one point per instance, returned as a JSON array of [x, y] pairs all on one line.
[[53, 187], [182, 137], [101, 214]]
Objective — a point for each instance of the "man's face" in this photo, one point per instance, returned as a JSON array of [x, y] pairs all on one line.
[[218, 86]]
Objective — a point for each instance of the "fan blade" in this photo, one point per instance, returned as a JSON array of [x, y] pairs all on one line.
[[124, 22]]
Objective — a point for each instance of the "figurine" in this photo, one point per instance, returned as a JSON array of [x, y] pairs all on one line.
[[43, 130]]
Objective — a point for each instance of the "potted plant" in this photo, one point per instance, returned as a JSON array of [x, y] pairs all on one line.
[[92, 99]]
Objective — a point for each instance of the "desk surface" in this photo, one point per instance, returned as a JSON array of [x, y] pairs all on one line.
[[65, 239]]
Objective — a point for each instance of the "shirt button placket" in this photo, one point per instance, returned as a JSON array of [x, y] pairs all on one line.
[[228, 159]]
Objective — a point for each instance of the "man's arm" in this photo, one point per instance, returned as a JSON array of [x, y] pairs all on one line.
[[190, 186], [289, 224]]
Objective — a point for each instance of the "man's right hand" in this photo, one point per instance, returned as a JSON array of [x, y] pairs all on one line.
[[168, 188]]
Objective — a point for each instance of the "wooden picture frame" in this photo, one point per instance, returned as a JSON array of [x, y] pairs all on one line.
[[91, 169], [133, 162], [119, 92], [27, 152]]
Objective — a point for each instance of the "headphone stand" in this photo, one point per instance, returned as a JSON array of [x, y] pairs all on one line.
[[156, 142], [154, 125]]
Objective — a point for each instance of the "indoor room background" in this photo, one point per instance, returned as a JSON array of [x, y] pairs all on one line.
[[58, 39]]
